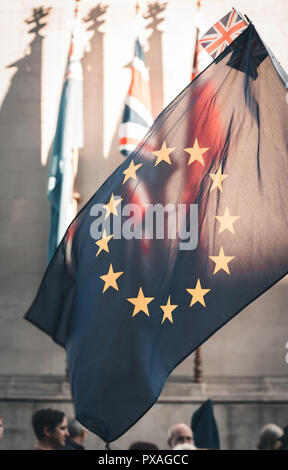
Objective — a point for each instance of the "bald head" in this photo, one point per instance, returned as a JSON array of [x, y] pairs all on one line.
[[179, 434]]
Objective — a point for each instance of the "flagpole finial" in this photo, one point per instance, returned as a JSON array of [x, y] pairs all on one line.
[[77, 8], [139, 7], [200, 3]]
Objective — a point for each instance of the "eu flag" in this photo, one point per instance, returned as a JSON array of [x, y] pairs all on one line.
[[132, 291]]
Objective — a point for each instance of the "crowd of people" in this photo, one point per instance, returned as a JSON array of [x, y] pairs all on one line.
[[54, 432]]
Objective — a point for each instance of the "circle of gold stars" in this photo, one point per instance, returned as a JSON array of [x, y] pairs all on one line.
[[221, 261]]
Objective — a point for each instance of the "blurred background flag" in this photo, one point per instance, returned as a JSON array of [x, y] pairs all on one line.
[[204, 427], [137, 115], [201, 58], [68, 139], [128, 314]]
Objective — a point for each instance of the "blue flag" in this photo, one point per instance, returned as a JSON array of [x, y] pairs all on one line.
[[68, 136], [204, 427], [189, 230]]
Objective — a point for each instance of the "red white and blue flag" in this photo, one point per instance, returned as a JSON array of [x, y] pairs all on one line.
[[69, 135], [223, 33], [137, 116]]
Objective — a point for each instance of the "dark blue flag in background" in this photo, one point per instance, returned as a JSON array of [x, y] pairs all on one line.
[[204, 427], [129, 309]]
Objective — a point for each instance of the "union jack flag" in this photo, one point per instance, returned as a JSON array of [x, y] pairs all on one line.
[[223, 33], [137, 117]]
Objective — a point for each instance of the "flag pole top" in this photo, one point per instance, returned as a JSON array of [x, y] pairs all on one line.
[[200, 3], [139, 7], [77, 8]]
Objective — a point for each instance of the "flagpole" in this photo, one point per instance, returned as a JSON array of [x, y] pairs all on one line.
[[198, 353], [139, 7], [199, 5], [139, 14], [75, 161], [75, 151]]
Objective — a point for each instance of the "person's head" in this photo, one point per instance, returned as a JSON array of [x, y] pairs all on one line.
[[76, 431], [180, 434], [1, 428], [143, 445], [268, 437], [282, 442], [50, 428], [185, 446]]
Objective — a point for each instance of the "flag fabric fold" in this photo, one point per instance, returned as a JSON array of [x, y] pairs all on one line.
[[68, 136], [129, 308]]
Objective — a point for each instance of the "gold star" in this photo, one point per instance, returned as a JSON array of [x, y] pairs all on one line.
[[163, 154], [141, 303], [110, 279], [217, 179], [168, 309], [226, 221], [196, 153], [198, 294], [103, 243], [130, 172], [221, 261], [111, 207]]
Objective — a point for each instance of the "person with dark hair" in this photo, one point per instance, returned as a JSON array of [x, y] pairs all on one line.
[[283, 440], [143, 445], [50, 428], [77, 436]]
